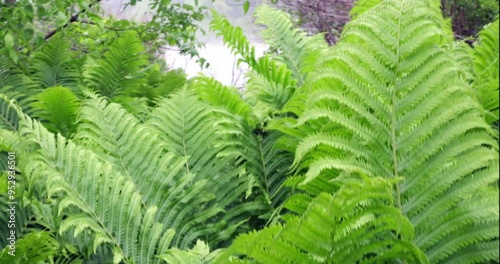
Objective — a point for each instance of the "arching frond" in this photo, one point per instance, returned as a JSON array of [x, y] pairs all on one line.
[[53, 65], [240, 137], [276, 78], [461, 52], [57, 107], [9, 118], [121, 70], [395, 104], [295, 49], [234, 38], [109, 204], [189, 127], [227, 98], [16, 86], [263, 160], [358, 224], [265, 96], [34, 247], [486, 67], [141, 155]]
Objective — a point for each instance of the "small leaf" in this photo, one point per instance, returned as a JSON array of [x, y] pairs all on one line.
[[13, 55], [246, 6], [9, 40]]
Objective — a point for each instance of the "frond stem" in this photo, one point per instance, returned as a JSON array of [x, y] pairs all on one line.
[[184, 140], [259, 141], [393, 115]]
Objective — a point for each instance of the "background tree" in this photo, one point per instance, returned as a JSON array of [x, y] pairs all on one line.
[[320, 16], [27, 25]]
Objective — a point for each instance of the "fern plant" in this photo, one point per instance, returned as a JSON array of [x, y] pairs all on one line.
[[375, 150], [53, 65], [390, 101], [244, 137], [357, 224], [120, 72], [275, 82], [189, 128], [83, 185], [57, 106], [486, 69], [293, 47]]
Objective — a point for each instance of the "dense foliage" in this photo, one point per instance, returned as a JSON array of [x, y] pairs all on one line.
[[315, 16], [26, 26], [380, 149]]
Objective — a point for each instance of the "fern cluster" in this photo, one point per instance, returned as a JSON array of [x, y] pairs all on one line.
[[380, 149]]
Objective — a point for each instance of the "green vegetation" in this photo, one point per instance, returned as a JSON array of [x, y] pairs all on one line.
[[380, 149], [27, 25]]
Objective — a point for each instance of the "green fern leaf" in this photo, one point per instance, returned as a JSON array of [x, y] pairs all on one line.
[[17, 86], [53, 65], [276, 79], [394, 103], [35, 247], [190, 128], [57, 107], [227, 98], [111, 132], [120, 72], [486, 68], [295, 48], [356, 224]]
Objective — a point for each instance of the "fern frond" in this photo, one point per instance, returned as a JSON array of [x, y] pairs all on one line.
[[486, 68], [461, 52], [35, 247], [277, 77], [295, 49], [227, 98], [234, 38], [9, 118], [57, 107], [190, 129], [17, 86], [239, 139], [178, 119], [190, 192], [109, 205], [199, 254], [265, 96], [53, 65], [120, 72], [113, 134], [392, 102], [356, 224], [260, 154]]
